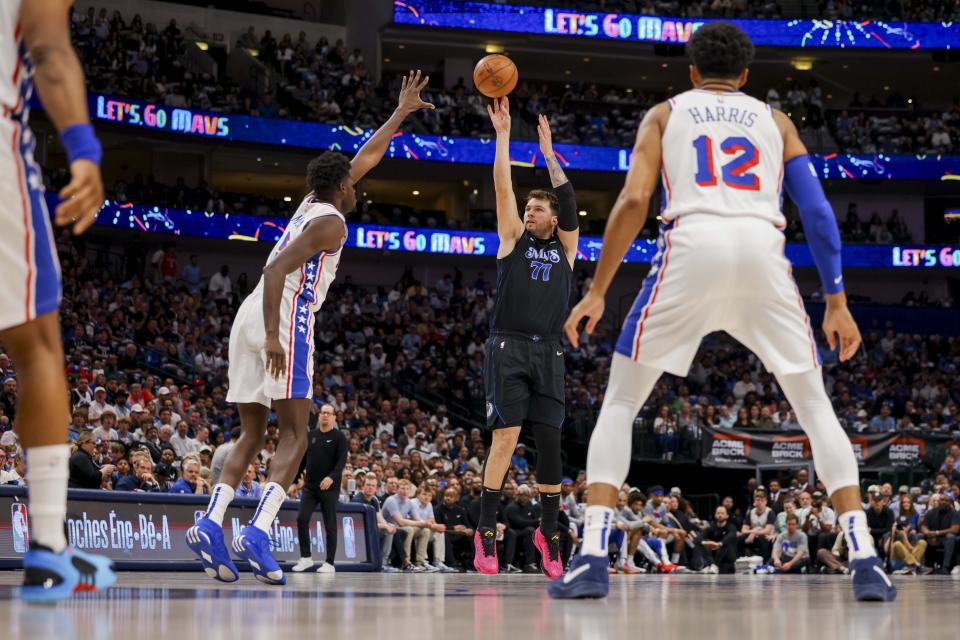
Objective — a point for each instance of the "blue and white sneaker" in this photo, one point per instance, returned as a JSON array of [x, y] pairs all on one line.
[[253, 545], [50, 576], [870, 582], [205, 539], [586, 578]]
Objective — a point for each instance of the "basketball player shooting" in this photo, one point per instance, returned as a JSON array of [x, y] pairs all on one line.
[[271, 347], [35, 48], [720, 267], [523, 366]]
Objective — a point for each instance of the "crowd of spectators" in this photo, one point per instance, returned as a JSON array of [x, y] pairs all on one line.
[[324, 82], [879, 129]]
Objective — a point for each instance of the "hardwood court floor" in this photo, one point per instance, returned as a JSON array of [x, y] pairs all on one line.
[[184, 606]]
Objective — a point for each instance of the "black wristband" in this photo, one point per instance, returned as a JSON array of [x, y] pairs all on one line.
[[567, 219]]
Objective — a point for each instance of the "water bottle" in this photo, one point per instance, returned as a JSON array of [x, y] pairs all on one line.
[[351, 486]]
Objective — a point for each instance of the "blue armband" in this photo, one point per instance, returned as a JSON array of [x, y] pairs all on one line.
[[819, 223], [81, 143]]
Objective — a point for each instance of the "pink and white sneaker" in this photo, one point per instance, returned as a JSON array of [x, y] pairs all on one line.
[[485, 551], [550, 562]]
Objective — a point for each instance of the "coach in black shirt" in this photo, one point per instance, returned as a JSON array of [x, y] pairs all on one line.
[[325, 459]]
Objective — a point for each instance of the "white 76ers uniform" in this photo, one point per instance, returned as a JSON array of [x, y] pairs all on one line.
[[28, 258], [304, 291], [720, 264]]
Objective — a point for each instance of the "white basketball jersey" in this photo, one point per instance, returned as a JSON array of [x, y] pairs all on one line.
[[312, 280], [15, 67], [722, 155]]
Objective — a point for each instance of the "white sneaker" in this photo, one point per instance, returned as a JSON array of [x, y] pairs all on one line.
[[302, 565], [426, 567], [713, 569], [326, 567], [955, 571]]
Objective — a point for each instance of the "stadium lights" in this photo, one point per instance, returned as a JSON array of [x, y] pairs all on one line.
[[582, 212], [287, 198], [416, 192], [493, 47], [802, 64], [203, 46]]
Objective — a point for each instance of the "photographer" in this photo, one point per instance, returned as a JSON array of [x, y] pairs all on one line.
[[904, 548]]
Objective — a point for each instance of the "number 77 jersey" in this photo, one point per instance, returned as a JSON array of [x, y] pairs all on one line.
[[723, 155]]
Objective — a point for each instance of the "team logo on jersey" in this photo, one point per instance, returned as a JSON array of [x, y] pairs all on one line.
[[542, 254]]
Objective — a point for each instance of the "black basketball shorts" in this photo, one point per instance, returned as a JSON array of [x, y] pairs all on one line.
[[524, 380]]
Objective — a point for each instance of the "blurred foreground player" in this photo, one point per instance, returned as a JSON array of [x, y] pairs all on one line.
[[523, 370], [271, 347], [35, 47], [720, 267]]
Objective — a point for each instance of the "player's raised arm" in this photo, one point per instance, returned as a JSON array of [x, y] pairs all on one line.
[[371, 153], [823, 236], [568, 224], [509, 226], [321, 234], [627, 217], [58, 75]]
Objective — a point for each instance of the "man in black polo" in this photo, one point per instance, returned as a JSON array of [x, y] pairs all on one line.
[[325, 459], [524, 368]]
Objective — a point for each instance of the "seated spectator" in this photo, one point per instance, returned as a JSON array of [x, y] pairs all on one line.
[[757, 532], [399, 509], [387, 530], [907, 550], [879, 517], [720, 542], [85, 471], [190, 480], [14, 472], [523, 518], [249, 487], [789, 508], [142, 478], [459, 534], [423, 509], [940, 527], [790, 549]]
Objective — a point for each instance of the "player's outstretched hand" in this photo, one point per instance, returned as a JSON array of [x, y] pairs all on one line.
[[840, 326], [82, 198], [591, 308], [276, 358], [410, 87], [546, 136], [500, 114]]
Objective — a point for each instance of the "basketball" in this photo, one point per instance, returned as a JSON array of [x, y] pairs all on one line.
[[495, 75]]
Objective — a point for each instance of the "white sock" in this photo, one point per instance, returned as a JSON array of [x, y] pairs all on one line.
[[664, 558], [674, 558], [273, 497], [47, 474], [220, 499], [647, 552], [859, 540], [596, 529]]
